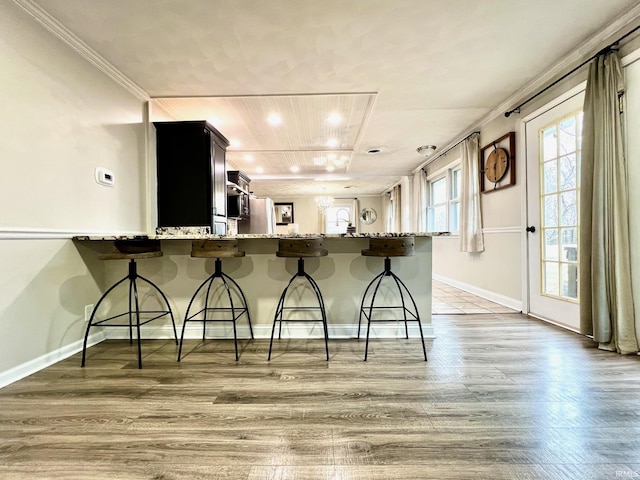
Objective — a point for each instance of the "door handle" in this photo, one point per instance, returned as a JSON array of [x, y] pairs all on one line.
[[531, 229]]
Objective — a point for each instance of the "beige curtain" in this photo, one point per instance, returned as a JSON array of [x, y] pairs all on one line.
[[419, 202], [396, 206], [471, 238], [606, 303], [387, 216], [322, 221]]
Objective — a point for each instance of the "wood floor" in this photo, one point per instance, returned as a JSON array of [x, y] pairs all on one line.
[[501, 397]]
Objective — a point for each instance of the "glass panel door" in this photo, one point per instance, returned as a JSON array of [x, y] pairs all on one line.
[[553, 192]]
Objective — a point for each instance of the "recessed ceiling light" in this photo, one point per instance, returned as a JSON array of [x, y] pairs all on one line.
[[295, 169], [274, 119], [373, 151], [332, 142], [334, 119]]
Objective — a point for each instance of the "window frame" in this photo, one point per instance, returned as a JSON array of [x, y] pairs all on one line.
[[346, 204], [446, 173]]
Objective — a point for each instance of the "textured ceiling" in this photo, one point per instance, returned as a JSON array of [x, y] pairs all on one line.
[[407, 72]]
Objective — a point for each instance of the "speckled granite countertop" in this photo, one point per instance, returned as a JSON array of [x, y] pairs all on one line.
[[187, 236]]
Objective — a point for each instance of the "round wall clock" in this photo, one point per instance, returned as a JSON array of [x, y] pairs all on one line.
[[496, 165]]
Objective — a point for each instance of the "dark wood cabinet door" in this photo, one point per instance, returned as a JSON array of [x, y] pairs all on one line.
[[190, 173]]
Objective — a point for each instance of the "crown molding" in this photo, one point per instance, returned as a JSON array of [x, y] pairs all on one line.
[[84, 50]]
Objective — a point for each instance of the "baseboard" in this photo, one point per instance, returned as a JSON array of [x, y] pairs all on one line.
[[148, 332], [486, 294], [291, 330], [32, 366]]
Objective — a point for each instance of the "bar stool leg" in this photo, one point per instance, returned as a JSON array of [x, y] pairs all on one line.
[[93, 314], [233, 313], [316, 290], [373, 299], [206, 305], [404, 307], [225, 279], [131, 310], [279, 313], [133, 307], [135, 292], [278, 317], [363, 300], [187, 318], [415, 309], [244, 301], [166, 301], [402, 290]]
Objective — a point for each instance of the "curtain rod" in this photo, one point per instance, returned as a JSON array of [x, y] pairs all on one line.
[[606, 49], [442, 154]]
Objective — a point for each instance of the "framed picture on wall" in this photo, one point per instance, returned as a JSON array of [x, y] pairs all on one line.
[[284, 213]]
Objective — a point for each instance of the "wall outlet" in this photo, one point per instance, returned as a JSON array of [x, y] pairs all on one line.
[[88, 309]]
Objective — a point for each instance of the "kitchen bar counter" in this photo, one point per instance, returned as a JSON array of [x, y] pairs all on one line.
[[204, 236], [342, 276]]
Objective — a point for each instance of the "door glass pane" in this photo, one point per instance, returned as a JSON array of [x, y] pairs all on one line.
[[550, 251], [568, 173], [550, 211], [568, 135], [569, 280], [549, 143], [550, 177], [551, 279], [568, 208], [559, 196], [570, 244]]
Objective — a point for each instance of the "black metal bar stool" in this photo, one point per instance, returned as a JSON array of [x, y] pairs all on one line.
[[218, 249], [300, 248], [131, 250], [389, 247]]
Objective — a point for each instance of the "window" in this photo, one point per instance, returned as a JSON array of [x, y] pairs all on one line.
[[443, 209], [338, 218]]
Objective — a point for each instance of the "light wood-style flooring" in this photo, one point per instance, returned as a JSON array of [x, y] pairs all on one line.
[[501, 397]]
